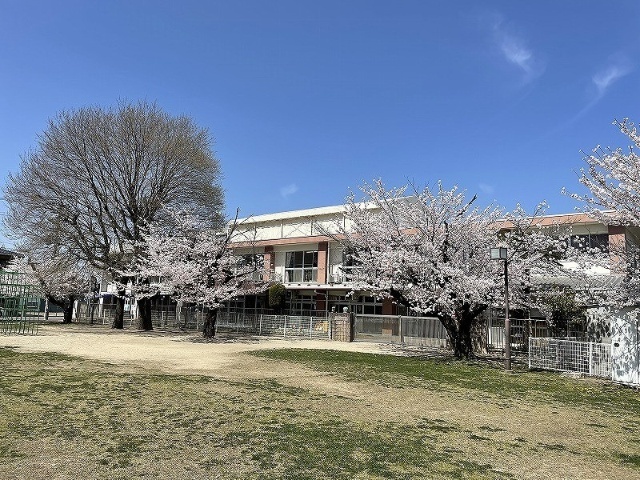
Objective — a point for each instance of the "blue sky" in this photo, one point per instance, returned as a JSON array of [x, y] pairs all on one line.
[[307, 99]]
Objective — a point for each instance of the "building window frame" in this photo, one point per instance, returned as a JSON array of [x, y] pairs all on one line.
[[301, 266]]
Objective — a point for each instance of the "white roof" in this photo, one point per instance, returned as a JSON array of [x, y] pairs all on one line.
[[309, 212]]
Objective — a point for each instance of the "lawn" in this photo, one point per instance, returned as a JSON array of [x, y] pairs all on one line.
[[318, 414]]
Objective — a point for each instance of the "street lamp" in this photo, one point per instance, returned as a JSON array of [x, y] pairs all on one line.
[[500, 253]]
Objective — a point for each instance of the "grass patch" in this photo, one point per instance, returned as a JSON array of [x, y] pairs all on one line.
[[136, 424], [73, 418], [476, 377], [630, 459]]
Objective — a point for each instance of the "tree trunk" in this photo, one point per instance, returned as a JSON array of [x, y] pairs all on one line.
[[144, 314], [67, 312], [46, 309], [118, 314], [209, 327], [459, 332], [66, 304], [462, 345]]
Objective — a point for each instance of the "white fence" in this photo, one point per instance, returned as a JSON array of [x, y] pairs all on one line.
[[587, 358], [521, 330], [423, 331], [275, 325]]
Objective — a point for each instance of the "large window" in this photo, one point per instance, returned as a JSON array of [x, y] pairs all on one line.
[[301, 303], [598, 241], [301, 267], [361, 305]]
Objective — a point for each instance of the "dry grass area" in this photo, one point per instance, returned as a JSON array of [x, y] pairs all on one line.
[[81, 402]]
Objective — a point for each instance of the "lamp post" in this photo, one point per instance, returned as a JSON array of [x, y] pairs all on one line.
[[500, 253]]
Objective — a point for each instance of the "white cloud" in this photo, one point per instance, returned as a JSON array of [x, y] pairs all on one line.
[[515, 50], [618, 67], [288, 190], [609, 75], [516, 53]]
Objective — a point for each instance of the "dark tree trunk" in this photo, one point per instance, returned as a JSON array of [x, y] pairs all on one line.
[[118, 314], [66, 305], [462, 345], [67, 312], [459, 327], [209, 327], [144, 314], [460, 334]]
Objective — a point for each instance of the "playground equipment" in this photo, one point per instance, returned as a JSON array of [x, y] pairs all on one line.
[[19, 304]]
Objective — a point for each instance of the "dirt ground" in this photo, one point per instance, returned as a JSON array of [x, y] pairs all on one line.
[[170, 352]]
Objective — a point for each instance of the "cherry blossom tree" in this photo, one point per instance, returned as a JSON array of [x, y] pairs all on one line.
[[59, 278], [98, 178], [613, 180], [199, 266], [612, 177], [428, 250]]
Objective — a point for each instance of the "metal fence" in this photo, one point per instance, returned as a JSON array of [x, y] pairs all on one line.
[[19, 326], [275, 325], [588, 358], [521, 330], [420, 331]]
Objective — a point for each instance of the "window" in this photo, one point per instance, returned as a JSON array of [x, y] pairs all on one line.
[[349, 261], [599, 241], [302, 303], [255, 260], [368, 306], [301, 267], [361, 305], [251, 264]]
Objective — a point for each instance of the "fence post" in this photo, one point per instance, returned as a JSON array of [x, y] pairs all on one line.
[[590, 358], [401, 330], [352, 326], [284, 328], [310, 327], [260, 325], [331, 319]]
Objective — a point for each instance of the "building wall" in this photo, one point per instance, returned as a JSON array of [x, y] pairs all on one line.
[[309, 230]]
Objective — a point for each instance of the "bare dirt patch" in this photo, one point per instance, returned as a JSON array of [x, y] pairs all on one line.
[[171, 352]]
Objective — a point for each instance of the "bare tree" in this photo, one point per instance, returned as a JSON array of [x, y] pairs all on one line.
[[98, 178]]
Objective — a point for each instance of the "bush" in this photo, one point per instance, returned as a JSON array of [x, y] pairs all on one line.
[[277, 295]]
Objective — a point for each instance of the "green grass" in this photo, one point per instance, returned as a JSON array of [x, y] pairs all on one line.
[[73, 418], [477, 377], [123, 422]]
